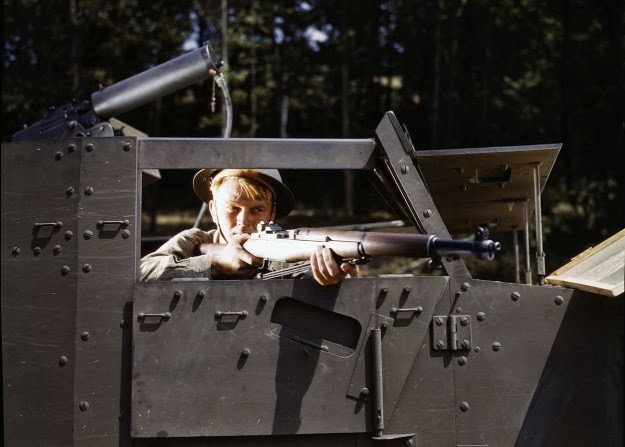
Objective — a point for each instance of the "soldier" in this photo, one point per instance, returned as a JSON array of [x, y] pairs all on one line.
[[238, 199]]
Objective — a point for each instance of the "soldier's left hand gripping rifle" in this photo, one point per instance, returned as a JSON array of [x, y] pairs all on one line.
[[274, 243]]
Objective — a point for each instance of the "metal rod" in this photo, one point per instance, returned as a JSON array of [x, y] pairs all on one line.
[[378, 402], [526, 225], [540, 255], [517, 266]]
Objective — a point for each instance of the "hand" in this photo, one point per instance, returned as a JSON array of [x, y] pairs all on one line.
[[325, 269], [231, 259]]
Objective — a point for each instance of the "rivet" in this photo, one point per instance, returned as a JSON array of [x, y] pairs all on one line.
[[405, 169], [457, 294], [86, 268], [263, 298], [69, 191], [56, 249], [37, 250], [201, 293], [126, 147], [88, 190], [364, 391], [559, 300], [477, 349], [88, 234], [84, 336], [481, 316], [496, 346], [440, 344], [16, 251], [438, 321], [462, 360], [65, 270], [465, 286], [89, 147], [458, 309], [466, 344], [464, 406], [178, 294], [515, 296], [68, 235], [83, 405], [125, 234], [63, 360], [122, 324], [407, 289], [246, 352], [464, 321], [384, 290], [58, 156], [427, 212], [71, 148]]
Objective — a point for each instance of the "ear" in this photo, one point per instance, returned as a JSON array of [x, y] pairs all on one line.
[[273, 211], [213, 210]]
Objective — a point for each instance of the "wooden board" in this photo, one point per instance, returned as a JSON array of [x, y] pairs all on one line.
[[599, 269]]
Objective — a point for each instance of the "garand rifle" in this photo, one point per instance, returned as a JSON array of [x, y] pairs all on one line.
[[274, 243]]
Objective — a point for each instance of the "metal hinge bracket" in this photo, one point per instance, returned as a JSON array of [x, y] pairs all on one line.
[[451, 332]]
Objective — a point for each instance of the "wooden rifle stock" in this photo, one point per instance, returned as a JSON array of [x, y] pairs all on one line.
[[274, 243]]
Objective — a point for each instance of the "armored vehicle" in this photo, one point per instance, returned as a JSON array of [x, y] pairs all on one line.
[[92, 356]]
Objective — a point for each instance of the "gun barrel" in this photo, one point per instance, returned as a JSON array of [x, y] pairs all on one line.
[[154, 83], [449, 247]]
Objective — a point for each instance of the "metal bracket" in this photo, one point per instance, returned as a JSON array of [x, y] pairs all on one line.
[[451, 332]]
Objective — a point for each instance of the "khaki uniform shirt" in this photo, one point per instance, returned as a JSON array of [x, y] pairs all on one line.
[[176, 259]]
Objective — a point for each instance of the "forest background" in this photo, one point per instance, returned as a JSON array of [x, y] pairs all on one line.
[[457, 73]]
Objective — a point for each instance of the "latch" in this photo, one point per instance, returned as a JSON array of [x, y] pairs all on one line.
[[451, 332]]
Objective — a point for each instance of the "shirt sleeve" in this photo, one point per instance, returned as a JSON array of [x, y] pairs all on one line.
[[175, 258]]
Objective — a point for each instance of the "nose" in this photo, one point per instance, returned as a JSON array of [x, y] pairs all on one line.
[[243, 217]]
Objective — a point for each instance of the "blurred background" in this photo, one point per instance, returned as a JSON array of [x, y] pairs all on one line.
[[458, 74]]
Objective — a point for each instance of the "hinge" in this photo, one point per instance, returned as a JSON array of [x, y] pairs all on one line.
[[451, 332]]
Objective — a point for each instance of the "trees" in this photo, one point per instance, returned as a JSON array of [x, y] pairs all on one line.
[[459, 74]]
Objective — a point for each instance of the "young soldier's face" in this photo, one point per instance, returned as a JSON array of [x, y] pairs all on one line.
[[236, 213]]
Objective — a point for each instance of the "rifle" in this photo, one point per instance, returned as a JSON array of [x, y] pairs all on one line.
[[274, 243]]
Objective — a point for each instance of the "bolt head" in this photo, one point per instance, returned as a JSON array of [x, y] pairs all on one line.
[[465, 286], [65, 269], [87, 268], [83, 405], [16, 251], [515, 296], [464, 406], [63, 360], [84, 336], [481, 316], [559, 300], [496, 346]]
